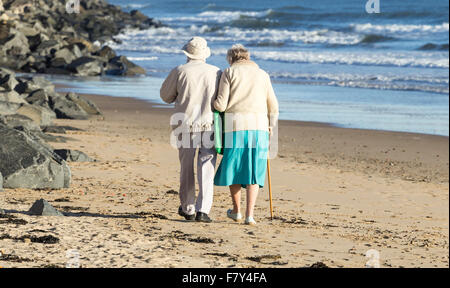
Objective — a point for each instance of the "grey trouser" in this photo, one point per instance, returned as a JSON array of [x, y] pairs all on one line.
[[206, 162]]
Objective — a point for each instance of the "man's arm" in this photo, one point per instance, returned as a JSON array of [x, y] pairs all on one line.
[[168, 92], [223, 95]]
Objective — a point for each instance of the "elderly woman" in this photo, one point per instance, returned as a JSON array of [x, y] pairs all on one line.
[[251, 110]]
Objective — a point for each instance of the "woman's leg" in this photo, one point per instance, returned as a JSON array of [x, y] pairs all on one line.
[[235, 191], [252, 194]]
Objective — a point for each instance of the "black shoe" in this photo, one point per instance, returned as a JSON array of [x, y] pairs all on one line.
[[186, 216], [202, 217]]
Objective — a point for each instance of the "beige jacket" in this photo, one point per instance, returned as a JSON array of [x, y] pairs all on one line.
[[193, 87], [247, 98]]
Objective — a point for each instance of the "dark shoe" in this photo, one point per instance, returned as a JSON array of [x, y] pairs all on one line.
[[186, 216], [202, 217]]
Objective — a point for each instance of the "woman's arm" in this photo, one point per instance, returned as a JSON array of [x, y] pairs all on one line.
[[168, 92], [272, 105], [221, 102]]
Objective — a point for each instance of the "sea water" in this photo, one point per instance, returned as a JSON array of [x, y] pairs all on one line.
[[330, 61]]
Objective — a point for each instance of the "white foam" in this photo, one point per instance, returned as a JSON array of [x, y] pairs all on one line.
[[362, 77], [229, 34], [153, 58], [400, 28], [380, 81], [136, 6], [217, 16], [350, 58], [322, 36]]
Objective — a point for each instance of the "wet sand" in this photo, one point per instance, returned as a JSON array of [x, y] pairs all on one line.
[[337, 193]]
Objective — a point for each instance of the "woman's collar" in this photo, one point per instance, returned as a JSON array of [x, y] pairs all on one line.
[[245, 62]]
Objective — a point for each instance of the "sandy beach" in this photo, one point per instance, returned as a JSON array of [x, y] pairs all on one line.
[[337, 193]]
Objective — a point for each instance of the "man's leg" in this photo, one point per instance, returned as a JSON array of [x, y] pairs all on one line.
[[187, 179], [206, 164]]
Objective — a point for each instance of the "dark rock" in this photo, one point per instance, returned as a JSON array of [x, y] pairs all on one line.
[[16, 44], [21, 87], [86, 66], [26, 163], [56, 70], [43, 208], [7, 79], [122, 66], [73, 155], [41, 137], [48, 47], [38, 97], [136, 14], [75, 49], [54, 129], [56, 63], [11, 97], [8, 108], [16, 120], [34, 41], [65, 108], [32, 84], [87, 105], [107, 53], [65, 56], [59, 129], [319, 265], [42, 116]]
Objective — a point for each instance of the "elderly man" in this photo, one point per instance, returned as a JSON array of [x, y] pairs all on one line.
[[193, 87]]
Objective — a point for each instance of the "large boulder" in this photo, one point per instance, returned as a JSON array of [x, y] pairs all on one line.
[[27, 164], [48, 47], [11, 97], [86, 66], [41, 83], [16, 44], [17, 120], [65, 55], [65, 108], [8, 108], [28, 85], [38, 97], [42, 116], [122, 66], [84, 103], [7, 79], [107, 53], [41, 137]]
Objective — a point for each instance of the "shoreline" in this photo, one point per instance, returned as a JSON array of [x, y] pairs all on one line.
[[329, 124]]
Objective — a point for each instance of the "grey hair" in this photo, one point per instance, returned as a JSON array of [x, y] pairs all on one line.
[[237, 52]]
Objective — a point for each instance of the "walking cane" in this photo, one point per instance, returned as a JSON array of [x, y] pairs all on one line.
[[270, 188]]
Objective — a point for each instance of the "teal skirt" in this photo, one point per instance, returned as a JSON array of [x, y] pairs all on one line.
[[244, 159]]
